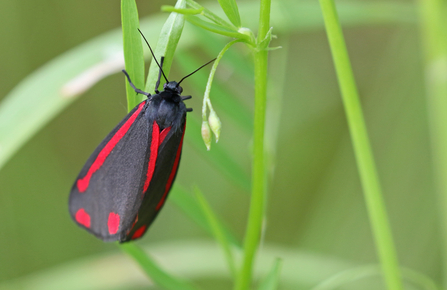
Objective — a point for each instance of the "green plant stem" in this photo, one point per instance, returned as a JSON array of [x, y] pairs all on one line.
[[363, 153], [256, 213], [434, 32]]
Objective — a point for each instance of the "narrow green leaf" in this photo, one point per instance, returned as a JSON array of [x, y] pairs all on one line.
[[366, 165], [217, 229], [186, 11], [166, 45], [159, 276], [231, 10], [271, 281], [219, 29], [266, 41], [133, 51], [192, 209], [210, 15]]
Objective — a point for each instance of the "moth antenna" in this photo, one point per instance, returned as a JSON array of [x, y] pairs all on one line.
[[195, 71], [153, 55]]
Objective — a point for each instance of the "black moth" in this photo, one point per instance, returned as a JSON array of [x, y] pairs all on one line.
[[125, 182]]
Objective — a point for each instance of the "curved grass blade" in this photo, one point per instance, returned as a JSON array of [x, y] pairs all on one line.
[[159, 276], [94, 272], [362, 272]]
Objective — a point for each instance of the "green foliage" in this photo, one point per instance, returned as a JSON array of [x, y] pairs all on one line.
[[316, 221]]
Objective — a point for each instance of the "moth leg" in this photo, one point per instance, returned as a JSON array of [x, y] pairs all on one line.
[[159, 75], [188, 109], [133, 86], [186, 98]]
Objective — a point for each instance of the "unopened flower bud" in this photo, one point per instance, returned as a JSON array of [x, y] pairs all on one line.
[[215, 124], [206, 134]]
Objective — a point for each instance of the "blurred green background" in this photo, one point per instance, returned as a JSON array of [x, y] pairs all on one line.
[[316, 217]]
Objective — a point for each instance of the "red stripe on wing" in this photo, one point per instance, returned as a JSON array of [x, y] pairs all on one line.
[[102, 156], [173, 171], [153, 157], [163, 134]]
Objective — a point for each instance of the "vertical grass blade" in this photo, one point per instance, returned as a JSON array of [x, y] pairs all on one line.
[[133, 51], [362, 149], [166, 45], [433, 14]]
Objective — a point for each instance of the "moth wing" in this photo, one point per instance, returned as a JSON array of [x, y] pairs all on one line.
[[107, 202], [168, 160]]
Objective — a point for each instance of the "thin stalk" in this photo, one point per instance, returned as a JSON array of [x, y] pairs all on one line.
[[258, 191], [362, 149], [434, 32], [206, 98]]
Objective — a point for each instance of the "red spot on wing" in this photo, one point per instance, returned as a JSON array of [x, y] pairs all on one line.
[[102, 156], [153, 157], [113, 223], [164, 133], [83, 218], [173, 171], [138, 233]]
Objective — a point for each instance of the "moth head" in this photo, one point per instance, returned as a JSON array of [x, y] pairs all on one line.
[[173, 87]]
